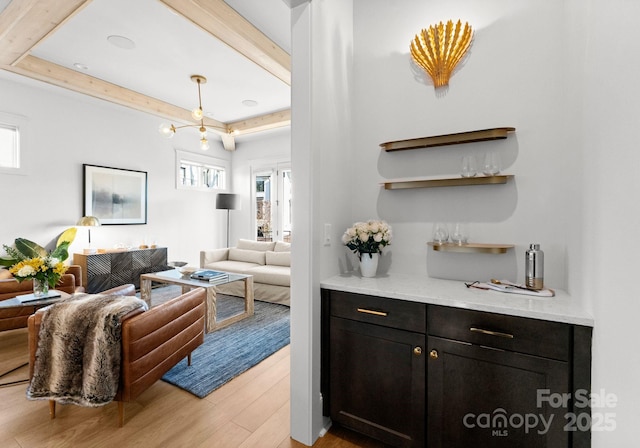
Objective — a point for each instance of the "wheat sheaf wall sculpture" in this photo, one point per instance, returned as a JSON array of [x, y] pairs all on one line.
[[440, 48]]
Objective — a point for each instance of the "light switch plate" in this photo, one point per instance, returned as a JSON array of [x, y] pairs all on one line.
[[327, 235]]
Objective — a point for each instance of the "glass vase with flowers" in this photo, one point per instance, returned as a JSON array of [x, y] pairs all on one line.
[[27, 260]]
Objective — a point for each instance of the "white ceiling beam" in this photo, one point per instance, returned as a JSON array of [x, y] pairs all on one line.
[[51, 73], [260, 123]]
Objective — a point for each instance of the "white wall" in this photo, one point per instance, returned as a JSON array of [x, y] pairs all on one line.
[[611, 105], [321, 155], [503, 82], [66, 130]]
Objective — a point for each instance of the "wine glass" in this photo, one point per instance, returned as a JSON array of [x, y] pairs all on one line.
[[440, 233], [469, 168], [491, 165], [459, 234]]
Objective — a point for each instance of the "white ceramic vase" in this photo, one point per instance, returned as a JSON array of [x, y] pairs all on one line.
[[369, 264]]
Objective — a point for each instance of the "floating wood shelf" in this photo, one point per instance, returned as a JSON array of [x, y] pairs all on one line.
[[446, 182], [448, 139], [472, 248]]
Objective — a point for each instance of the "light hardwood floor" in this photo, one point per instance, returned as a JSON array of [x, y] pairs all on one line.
[[252, 410]]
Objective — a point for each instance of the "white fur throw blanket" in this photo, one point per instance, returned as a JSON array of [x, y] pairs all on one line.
[[78, 355]]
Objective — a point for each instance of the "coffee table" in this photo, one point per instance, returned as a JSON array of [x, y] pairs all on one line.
[[15, 307], [174, 277]]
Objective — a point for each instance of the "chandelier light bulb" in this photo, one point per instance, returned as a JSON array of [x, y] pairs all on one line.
[[167, 130], [204, 144], [197, 113]]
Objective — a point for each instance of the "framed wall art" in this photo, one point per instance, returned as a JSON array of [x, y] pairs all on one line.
[[115, 195]]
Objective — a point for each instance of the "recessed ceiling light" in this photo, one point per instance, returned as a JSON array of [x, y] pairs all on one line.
[[250, 103], [80, 66], [121, 42]]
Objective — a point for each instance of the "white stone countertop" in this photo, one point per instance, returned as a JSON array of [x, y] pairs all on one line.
[[416, 288]]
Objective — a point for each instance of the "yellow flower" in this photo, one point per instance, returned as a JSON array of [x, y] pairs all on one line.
[[60, 268]]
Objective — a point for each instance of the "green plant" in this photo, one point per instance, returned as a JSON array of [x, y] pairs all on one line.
[[28, 260]]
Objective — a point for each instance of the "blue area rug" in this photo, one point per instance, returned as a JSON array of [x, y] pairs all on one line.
[[228, 352]]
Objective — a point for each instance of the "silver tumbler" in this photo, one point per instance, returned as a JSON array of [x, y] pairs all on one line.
[[534, 267]]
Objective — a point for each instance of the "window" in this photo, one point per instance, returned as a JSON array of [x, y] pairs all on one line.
[[193, 174], [200, 172], [11, 143], [213, 177], [9, 146]]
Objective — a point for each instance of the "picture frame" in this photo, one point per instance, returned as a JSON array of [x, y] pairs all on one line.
[[115, 196]]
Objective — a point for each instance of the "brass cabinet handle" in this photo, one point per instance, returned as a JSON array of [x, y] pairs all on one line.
[[433, 354], [375, 313], [417, 351], [491, 333]]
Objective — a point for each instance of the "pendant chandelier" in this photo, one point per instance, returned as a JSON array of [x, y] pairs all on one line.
[[169, 130]]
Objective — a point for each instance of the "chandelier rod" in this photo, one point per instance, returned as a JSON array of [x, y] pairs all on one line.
[[198, 79]]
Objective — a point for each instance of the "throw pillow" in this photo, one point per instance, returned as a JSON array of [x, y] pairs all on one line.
[[278, 258], [281, 246], [255, 245], [248, 256], [5, 274]]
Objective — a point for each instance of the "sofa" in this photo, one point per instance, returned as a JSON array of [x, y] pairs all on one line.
[[12, 318], [269, 262], [153, 341]]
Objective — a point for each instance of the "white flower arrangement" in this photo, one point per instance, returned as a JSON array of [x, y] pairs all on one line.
[[367, 237]]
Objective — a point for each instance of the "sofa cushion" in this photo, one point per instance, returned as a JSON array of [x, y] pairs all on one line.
[[248, 256], [5, 274], [237, 267], [278, 258], [255, 245], [271, 275], [281, 246]]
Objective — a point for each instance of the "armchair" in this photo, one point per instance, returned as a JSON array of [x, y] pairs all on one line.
[[12, 318], [153, 342]]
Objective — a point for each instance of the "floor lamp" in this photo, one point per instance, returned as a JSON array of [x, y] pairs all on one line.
[[227, 201]]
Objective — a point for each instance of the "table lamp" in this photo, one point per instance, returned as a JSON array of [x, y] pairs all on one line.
[[88, 221], [228, 201]]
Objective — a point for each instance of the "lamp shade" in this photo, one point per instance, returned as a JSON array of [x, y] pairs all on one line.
[[88, 221], [228, 201]]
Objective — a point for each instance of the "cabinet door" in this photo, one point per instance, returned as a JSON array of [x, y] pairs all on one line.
[[122, 268], [377, 381], [98, 267], [485, 397]]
